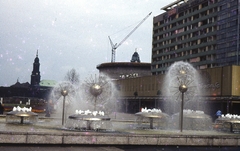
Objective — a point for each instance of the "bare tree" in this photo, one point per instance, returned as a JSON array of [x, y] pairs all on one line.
[[72, 76]]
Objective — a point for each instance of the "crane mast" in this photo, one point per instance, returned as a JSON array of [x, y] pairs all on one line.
[[115, 46]]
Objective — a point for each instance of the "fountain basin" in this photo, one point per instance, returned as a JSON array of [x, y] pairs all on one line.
[[157, 120], [192, 121], [23, 117], [89, 117], [89, 122], [228, 124]]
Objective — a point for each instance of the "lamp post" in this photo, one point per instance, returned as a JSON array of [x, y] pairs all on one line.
[[182, 88], [64, 94]]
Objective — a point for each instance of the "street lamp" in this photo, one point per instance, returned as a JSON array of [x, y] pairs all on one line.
[[64, 94]]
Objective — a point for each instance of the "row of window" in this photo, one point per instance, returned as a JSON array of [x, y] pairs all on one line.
[[141, 87], [172, 30], [162, 55], [227, 44], [188, 10], [228, 24], [163, 67], [186, 40], [227, 4], [166, 39]]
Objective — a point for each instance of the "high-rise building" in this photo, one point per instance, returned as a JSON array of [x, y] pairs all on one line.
[[204, 33]]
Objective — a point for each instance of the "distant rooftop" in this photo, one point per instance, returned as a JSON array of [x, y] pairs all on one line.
[[48, 83], [173, 4]]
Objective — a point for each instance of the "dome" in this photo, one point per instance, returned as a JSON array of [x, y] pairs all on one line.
[[135, 57]]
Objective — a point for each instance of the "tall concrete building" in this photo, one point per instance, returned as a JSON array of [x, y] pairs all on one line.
[[202, 32]]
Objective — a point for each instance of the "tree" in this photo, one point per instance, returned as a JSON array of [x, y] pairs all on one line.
[[72, 76]]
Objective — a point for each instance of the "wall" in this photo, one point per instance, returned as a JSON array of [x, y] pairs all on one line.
[[235, 80], [219, 81]]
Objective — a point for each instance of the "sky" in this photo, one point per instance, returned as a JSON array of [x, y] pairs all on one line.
[[71, 34]]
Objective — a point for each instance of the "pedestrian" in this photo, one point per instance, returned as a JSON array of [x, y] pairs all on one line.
[[1, 108], [49, 108], [219, 113]]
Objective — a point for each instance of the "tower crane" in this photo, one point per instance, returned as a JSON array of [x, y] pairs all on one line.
[[115, 46]]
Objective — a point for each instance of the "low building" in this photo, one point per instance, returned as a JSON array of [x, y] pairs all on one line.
[[36, 92], [221, 86], [125, 70]]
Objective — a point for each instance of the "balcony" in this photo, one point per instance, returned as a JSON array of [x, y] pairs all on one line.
[[159, 69], [183, 33], [188, 47], [184, 57], [191, 14], [205, 62]]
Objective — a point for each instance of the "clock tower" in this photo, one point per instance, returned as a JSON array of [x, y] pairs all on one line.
[[35, 77]]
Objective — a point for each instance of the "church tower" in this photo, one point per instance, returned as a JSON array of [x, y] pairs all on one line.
[[35, 77]]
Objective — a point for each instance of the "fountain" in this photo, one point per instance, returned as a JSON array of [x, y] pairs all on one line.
[[21, 115], [192, 120], [92, 102], [66, 90], [228, 122], [89, 120], [155, 117], [181, 89]]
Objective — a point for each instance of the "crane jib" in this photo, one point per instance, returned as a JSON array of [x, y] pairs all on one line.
[[115, 46]]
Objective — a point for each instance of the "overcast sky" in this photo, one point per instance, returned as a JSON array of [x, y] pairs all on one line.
[[71, 34]]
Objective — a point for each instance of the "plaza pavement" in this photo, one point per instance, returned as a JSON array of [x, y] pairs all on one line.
[[49, 131]]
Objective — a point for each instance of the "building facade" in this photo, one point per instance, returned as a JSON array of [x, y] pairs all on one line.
[[221, 91], [204, 33], [37, 91], [122, 70]]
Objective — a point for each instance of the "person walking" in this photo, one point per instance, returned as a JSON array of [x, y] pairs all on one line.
[[1, 108], [218, 113]]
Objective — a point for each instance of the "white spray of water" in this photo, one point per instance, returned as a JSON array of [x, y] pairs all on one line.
[[80, 98], [181, 73]]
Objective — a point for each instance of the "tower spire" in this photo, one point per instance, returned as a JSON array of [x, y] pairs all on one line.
[[35, 77]]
